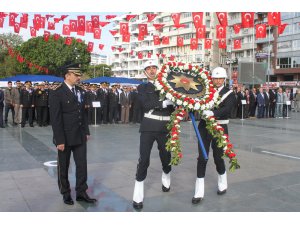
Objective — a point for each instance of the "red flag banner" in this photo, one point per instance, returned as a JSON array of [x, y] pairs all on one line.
[[158, 26], [79, 40], [90, 46], [176, 18], [141, 37], [201, 32], [103, 23], [237, 28], [17, 27], [207, 43], [124, 28], [95, 21], [194, 44], [140, 55], [130, 17], [221, 31], [222, 17], [80, 23], [51, 25], [156, 40], [172, 58], [37, 21], [126, 38], [165, 40], [149, 55], [66, 29], [261, 31], [274, 18], [97, 33], [108, 17], [237, 44], [24, 20], [197, 19], [151, 17], [12, 18], [73, 25], [281, 28], [113, 32], [32, 32], [1, 21], [101, 46], [143, 30], [56, 37], [46, 36], [63, 17], [43, 22], [247, 19], [222, 43], [68, 40], [179, 41], [89, 27]]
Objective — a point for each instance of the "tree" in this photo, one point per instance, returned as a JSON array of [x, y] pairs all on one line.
[[8, 64], [53, 54], [99, 71]]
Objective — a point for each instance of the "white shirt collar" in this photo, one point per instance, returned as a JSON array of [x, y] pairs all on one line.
[[69, 86], [220, 88]]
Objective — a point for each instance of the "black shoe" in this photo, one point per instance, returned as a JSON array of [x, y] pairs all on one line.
[[22, 125], [31, 125], [137, 206], [164, 189], [84, 197], [15, 124], [68, 199], [2, 126], [221, 192], [196, 200]]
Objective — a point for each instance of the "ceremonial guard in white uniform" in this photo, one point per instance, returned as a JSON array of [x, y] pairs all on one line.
[[222, 113]]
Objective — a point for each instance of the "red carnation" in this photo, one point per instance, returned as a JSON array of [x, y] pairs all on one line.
[[229, 145], [231, 155], [180, 155]]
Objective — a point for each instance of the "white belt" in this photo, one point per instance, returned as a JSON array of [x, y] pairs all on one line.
[[223, 121], [156, 117]]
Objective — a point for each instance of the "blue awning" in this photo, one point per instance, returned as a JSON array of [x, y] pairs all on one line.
[[24, 77], [114, 80]]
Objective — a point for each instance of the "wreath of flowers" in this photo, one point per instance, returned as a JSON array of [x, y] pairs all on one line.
[[207, 101]]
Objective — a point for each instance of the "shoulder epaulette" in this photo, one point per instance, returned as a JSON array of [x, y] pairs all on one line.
[[58, 86]]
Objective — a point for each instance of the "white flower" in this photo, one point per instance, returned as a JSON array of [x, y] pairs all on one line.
[[225, 148], [179, 118], [197, 106], [186, 66], [169, 96], [179, 102], [173, 142], [190, 106], [184, 103]]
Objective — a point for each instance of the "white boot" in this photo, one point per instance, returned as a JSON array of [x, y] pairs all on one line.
[[138, 194], [166, 181], [222, 183], [199, 191]]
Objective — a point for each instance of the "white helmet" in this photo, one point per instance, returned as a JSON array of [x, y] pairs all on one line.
[[150, 63], [219, 72]]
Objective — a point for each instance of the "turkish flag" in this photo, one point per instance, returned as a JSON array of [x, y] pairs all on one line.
[[261, 31], [79, 40], [20, 58], [222, 43], [73, 25], [68, 40], [103, 24], [80, 23], [95, 21], [163, 55], [201, 32], [80, 32], [101, 46], [129, 17], [237, 44], [156, 40], [12, 18], [274, 18], [179, 26], [175, 18], [165, 40], [97, 33], [17, 27], [1, 21], [56, 37], [113, 48], [66, 29], [32, 32], [108, 17], [120, 49], [131, 52], [63, 17], [43, 23], [157, 55], [179, 41], [197, 19], [151, 17], [149, 54], [247, 19], [172, 57], [221, 31], [88, 26], [222, 17], [126, 38], [57, 20], [24, 20], [141, 37], [281, 28], [124, 28], [90, 46], [158, 26], [143, 29], [51, 25], [207, 43], [237, 28], [140, 55], [49, 16], [37, 21], [194, 44], [46, 35], [113, 32]]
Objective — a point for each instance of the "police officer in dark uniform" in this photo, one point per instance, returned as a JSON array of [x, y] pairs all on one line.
[[102, 96], [70, 134], [41, 104], [27, 104], [222, 113], [153, 128]]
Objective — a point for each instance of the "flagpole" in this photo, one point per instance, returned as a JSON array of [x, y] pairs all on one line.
[[253, 58], [269, 57]]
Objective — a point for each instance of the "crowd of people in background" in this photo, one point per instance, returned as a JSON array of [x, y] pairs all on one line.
[[119, 104], [27, 102], [263, 102]]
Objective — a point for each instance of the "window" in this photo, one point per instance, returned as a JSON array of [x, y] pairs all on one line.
[[188, 25], [296, 62], [286, 15], [284, 62], [166, 19], [296, 44], [186, 15], [187, 36]]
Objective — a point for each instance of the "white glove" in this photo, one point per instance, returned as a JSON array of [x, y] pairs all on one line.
[[208, 113], [167, 102]]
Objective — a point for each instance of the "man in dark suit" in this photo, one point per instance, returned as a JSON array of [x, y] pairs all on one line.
[[27, 104], [113, 99], [252, 104], [102, 96], [272, 95], [70, 134], [1, 108], [41, 104], [260, 103], [267, 102], [153, 128], [221, 113]]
